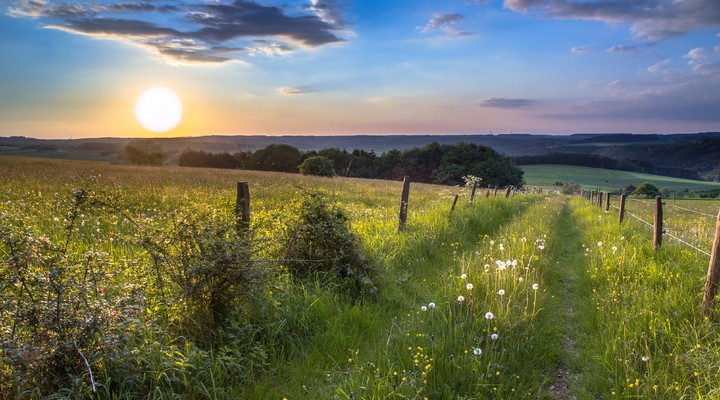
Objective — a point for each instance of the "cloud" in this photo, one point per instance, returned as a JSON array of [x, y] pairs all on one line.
[[653, 20], [580, 50], [196, 31], [623, 49], [291, 91], [505, 103], [446, 22]]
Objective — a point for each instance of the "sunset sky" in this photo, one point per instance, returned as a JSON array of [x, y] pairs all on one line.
[[76, 68]]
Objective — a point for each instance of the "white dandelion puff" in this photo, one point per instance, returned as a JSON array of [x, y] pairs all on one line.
[[469, 286], [599, 244], [463, 276], [494, 336], [423, 308], [501, 292], [431, 305], [477, 351], [461, 298], [489, 315], [535, 286]]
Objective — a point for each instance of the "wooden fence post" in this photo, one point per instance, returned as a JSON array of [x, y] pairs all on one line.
[[658, 226], [496, 188], [472, 193], [600, 199], [622, 208], [404, 202], [242, 206], [713, 275], [607, 202], [507, 193], [454, 203]]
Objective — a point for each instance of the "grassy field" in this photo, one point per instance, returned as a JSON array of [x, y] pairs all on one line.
[[134, 281], [605, 179]]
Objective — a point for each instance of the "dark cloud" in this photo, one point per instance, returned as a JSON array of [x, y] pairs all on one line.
[[195, 31], [505, 103], [650, 19], [222, 22], [117, 27]]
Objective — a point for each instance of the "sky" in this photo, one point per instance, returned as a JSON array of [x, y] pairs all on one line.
[[75, 69]]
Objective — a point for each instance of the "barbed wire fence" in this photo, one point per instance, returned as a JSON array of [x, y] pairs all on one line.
[[712, 284]]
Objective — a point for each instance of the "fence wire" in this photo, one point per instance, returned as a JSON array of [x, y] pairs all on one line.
[[694, 211], [670, 235]]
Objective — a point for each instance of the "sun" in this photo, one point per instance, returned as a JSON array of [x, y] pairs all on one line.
[[158, 109]]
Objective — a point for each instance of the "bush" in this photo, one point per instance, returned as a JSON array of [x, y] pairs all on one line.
[[321, 242], [646, 189], [317, 165]]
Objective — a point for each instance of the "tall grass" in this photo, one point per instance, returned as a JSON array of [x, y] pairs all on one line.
[[652, 341]]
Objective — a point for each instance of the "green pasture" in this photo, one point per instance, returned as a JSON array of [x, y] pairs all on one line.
[[108, 278], [607, 179]]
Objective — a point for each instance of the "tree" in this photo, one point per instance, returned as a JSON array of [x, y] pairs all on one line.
[[646, 189], [317, 165], [275, 157], [136, 155]]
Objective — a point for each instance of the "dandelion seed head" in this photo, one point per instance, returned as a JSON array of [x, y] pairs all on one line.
[[477, 351], [645, 358], [431, 305], [535, 286], [461, 298], [489, 315], [599, 244], [423, 308], [520, 279], [469, 286], [463, 276], [501, 292], [494, 336]]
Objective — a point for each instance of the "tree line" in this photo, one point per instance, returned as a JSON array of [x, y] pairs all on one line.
[[433, 163]]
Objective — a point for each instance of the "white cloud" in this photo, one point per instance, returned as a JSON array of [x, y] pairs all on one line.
[[580, 50]]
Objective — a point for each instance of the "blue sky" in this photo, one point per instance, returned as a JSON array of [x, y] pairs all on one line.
[[75, 69]]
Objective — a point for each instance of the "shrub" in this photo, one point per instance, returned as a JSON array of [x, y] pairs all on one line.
[[317, 165], [321, 242], [646, 189]]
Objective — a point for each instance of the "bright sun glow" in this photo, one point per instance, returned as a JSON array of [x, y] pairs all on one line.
[[158, 109]]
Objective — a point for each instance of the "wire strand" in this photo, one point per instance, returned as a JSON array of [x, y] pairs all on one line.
[[695, 211]]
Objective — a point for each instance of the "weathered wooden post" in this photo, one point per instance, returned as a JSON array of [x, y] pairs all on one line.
[[472, 193], [404, 202], [713, 275], [507, 193], [658, 226], [607, 202], [242, 206], [599, 199], [496, 188], [622, 208], [454, 203], [487, 194]]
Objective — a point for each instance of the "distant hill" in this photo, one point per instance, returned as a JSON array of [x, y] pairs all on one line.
[[686, 155]]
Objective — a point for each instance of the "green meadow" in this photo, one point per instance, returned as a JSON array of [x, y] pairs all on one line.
[[123, 282], [605, 179]]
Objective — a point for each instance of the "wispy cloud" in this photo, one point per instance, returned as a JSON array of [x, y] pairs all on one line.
[[653, 20], [500, 102], [447, 23], [580, 50], [623, 49], [197, 30]]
